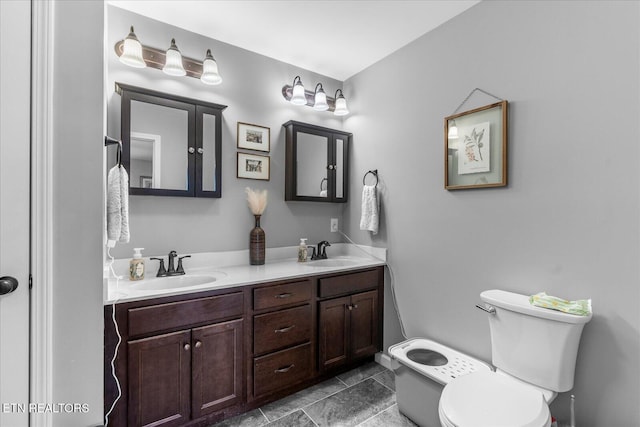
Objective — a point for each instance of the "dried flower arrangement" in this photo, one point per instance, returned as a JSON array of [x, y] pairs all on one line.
[[257, 200]]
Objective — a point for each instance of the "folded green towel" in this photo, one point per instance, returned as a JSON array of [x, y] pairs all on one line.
[[580, 307]]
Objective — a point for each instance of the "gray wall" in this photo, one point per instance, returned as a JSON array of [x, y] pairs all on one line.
[[568, 221], [252, 90], [78, 128]]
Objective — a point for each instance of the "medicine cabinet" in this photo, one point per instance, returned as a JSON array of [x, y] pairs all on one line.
[[316, 168], [171, 145]]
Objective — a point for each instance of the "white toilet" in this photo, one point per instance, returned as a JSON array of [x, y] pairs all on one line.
[[534, 351]]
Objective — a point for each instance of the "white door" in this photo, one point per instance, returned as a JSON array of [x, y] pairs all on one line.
[[15, 83]]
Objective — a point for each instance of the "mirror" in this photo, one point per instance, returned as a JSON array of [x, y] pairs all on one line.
[[311, 170], [171, 144], [159, 140]]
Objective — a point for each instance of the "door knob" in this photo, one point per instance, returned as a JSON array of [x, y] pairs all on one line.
[[8, 284]]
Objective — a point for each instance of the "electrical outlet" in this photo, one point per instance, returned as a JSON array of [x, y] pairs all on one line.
[[334, 225]]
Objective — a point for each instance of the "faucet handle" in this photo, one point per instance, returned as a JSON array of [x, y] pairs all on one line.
[[180, 269], [162, 271], [313, 253]]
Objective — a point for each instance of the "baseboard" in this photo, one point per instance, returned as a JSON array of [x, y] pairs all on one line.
[[383, 359]]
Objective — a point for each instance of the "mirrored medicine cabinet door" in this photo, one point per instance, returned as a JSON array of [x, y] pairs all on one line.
[[171, 145], [316, 163]]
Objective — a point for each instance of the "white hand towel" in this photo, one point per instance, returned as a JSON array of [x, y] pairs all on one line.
[[118, 205], [369, 217]]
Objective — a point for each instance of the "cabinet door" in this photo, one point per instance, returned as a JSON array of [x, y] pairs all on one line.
[[217, 367], [160, 380], [208, 152], [334, 332], [364, 324]]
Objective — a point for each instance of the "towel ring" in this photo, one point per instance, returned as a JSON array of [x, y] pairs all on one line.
[[374, 172], [112, 141], [324, 181]]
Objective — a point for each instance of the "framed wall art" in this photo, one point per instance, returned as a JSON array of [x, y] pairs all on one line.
[[253, 166], [475, 148], [254, 137]]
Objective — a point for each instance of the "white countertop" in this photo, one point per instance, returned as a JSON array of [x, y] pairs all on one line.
[[232, 269]]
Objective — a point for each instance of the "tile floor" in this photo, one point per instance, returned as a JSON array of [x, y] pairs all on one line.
[[364, 396]]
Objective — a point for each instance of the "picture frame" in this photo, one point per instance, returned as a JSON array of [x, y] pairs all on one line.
[[146, 182], [253, 137], [254, 166], [477, 156]]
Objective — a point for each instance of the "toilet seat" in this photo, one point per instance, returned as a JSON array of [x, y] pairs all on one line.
[[490, 399]]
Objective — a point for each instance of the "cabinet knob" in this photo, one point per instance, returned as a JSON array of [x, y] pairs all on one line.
[[200, 150], [198, 344], [330, 167], [187, 347], [350, 307], [192, 150]]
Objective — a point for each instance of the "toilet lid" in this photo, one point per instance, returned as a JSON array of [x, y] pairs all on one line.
[[487, 399]]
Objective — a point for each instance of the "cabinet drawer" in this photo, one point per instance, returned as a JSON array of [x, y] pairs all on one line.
[[162, 317], [280, 295], [348, 283], [280, 329], [282, 369]]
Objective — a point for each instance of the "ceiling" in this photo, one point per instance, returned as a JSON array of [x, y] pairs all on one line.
[[331, 37]]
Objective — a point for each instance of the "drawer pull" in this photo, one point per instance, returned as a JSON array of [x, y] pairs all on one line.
[[284, 295], [285, 369], [282, 330]]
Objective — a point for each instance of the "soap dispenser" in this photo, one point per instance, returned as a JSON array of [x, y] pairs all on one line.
[[302, 251], [136, 265]]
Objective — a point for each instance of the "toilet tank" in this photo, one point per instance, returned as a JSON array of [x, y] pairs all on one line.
[[534, 344]]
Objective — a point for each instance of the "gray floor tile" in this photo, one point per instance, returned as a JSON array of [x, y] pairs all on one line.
[[356, 375], [353, 405], [302, 398], [248, 419], [295, 419], [389, 417], [387, 378]]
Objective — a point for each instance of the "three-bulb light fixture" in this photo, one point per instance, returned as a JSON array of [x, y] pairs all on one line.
[[171, 61], [297, 95]]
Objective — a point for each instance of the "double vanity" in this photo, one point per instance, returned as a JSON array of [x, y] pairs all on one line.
[[223, 340]]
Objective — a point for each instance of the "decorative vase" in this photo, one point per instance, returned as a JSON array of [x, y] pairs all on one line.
[[256, 244]]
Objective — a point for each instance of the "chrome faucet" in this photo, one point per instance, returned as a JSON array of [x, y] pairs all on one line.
[[172, 271], [321, 253]]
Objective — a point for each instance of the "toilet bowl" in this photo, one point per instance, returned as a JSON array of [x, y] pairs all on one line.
[[422, 367], [493, 399]]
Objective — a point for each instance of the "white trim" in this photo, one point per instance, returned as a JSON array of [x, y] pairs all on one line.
[[41, 382]]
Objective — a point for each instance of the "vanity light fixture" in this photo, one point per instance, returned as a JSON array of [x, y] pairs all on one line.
[[131, 52], [210, 75], [341, 104], [298, 96], [318, 99], [173, 64]]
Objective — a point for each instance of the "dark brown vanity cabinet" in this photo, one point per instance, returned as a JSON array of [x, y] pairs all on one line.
[[197, 359], [317, 159], [283, 341], [178, 376], [349, 325]]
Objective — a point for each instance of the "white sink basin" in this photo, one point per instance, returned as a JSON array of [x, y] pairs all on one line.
[[334, 262], [176, 282]]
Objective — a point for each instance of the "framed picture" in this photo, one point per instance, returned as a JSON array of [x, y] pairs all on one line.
[[254, 137], [253, 166], [146, 182], [475, 148]]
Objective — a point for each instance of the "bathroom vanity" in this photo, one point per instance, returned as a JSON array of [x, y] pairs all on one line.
[[199, 357]]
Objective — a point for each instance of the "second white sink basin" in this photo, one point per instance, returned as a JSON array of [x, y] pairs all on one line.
[[176, 282]]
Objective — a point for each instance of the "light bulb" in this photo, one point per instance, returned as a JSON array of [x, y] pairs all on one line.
[[320, 103], [173, 64], [132, 51], [341, 105], [210, 75], [298, 97]]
